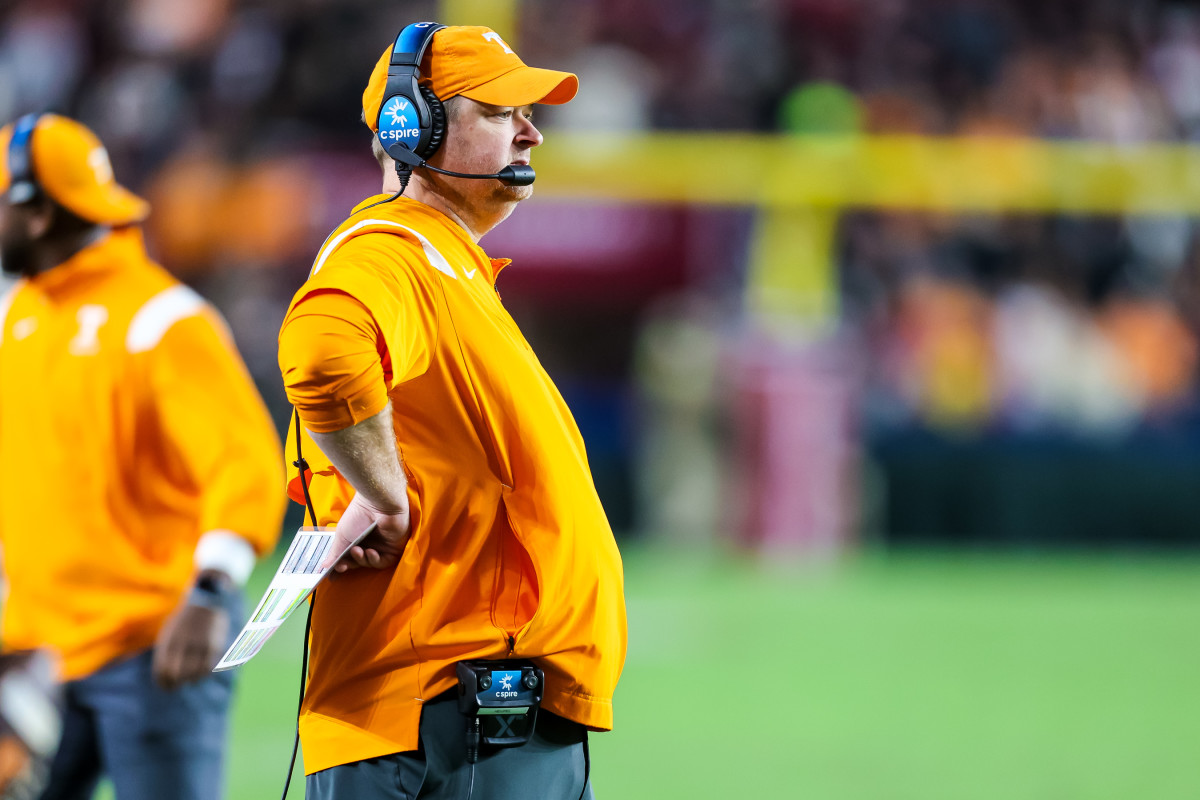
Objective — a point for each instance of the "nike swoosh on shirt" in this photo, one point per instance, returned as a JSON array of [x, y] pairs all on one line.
[[470, 273]]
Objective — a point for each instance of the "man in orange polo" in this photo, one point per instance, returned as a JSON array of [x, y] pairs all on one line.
[[435, 421], [139, 474]]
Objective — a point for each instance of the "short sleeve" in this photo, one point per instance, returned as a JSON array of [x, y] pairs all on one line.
[[331, 358]]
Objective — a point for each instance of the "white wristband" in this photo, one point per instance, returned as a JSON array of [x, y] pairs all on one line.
[[227, 552]]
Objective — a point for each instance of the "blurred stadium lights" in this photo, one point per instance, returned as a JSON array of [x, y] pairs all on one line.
[[802, 182], [887, 172]]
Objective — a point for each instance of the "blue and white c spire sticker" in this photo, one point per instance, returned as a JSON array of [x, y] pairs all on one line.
[[398, 123], [506, 684]]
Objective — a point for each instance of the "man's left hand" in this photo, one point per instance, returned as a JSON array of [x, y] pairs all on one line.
[[189, 644]]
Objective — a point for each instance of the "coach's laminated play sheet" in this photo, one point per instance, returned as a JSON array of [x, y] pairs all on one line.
[[298, 574]]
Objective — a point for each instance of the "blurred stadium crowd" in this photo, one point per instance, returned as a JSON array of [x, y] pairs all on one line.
[[239, 120]]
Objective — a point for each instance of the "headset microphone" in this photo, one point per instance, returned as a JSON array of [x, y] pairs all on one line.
[[512, 175]]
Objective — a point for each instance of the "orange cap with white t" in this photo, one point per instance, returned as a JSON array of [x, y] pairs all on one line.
[[475, 62], [66, 161]]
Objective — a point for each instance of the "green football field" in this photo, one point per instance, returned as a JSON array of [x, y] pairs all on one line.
[[912, 676]]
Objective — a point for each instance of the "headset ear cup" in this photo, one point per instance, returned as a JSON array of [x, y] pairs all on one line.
[[437, 123]]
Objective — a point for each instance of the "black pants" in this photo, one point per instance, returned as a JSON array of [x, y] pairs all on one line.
[[152, 743], [551, 766]]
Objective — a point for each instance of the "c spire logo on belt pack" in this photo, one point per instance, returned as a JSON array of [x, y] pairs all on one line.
[[502, 684]]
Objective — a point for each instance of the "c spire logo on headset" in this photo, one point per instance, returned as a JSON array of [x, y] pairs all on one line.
[[400, 126]]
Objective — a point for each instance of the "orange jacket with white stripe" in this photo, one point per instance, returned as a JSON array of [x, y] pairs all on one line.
[[129, 427], [510, 550]]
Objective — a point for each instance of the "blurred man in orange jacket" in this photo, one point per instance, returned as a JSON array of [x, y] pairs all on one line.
[[436, 422], [138, 474]]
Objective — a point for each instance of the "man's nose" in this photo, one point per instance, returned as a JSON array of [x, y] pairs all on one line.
[[528, 134]]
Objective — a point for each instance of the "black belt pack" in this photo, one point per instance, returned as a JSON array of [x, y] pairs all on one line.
[[500, 700]]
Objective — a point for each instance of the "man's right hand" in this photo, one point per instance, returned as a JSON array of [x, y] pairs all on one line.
[[381, 549]]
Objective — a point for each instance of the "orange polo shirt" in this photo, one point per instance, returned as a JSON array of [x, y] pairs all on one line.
[[128, 428], [510, 551]]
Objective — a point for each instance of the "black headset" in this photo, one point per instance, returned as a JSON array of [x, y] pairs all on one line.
[[411, 125], [22, 186]]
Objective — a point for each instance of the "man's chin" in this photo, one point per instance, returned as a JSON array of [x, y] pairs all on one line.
[[517, 193]]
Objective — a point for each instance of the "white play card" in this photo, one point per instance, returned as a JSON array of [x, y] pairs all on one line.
[[294, 581]]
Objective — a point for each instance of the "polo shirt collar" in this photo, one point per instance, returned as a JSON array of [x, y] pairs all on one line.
[[406, 205]]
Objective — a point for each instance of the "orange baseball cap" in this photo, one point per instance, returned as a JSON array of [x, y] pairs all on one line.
[[72, 168], [475, 62]]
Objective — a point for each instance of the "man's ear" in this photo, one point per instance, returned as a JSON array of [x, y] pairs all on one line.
[[39, 218]]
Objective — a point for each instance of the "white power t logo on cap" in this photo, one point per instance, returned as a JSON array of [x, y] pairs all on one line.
[[98, 161], [492, 36]]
